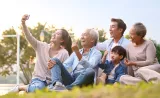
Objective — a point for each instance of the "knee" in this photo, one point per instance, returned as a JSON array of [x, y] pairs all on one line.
[[142, 70], [31, 88], [55, 59], [90, 71], [122, 79], [35, 86]]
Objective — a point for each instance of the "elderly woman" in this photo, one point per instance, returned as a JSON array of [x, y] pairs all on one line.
[[141, 58]]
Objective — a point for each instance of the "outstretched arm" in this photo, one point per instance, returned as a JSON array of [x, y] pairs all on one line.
[[32, 40]]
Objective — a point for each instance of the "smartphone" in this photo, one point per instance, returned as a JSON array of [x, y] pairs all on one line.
[[28, 17]]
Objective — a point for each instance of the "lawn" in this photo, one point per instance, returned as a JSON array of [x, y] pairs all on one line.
[[142, 90]]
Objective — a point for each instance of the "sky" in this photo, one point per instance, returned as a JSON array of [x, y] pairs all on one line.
[[82, 14]]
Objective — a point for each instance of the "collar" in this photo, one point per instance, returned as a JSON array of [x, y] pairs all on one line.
[[119, 42], [91, 49]]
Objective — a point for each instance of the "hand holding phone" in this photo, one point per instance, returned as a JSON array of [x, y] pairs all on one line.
[[24, 18]]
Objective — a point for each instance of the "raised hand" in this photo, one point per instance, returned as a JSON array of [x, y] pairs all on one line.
[[24, 18], [75, 47], [129, 63]]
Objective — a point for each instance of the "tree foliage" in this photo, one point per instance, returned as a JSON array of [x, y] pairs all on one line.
[[102, 35]]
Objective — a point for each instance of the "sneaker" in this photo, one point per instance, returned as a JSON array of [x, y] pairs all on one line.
[[15, 89], [58, 87]]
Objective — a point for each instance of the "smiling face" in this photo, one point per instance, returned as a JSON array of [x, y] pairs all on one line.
[[57, 37], [86, 39], [133, 35], [114, 30], [115, 57]]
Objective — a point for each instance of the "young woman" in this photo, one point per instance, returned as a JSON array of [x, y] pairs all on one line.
[[59, 47]]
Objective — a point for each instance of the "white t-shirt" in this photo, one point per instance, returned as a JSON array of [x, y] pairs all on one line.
[[112, 73]]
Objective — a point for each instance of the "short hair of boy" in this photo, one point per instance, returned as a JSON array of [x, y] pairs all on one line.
[[119, 50]]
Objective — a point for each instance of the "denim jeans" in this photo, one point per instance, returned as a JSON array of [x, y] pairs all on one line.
[[36, 84], [59, 73]]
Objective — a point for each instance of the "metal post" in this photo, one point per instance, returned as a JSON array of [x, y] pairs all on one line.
[[18, 57], [18, 53]]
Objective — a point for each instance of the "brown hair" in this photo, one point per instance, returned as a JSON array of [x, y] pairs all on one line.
[[67, 41], [120, 24]]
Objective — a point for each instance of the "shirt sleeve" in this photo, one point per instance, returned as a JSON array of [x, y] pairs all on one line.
[[150, 55], [69, 61], [93, 61], [102, 45], [32, 40]]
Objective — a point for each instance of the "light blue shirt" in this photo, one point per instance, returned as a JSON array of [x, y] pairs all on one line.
[[93, 59], [80, 68], [107, 45]]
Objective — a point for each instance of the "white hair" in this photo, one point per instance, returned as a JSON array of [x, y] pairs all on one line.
[[140, 29], [94, 34]]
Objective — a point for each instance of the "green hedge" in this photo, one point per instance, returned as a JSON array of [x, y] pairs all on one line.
[[141, 90]]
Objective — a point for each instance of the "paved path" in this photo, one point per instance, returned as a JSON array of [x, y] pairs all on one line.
[[4, 88]]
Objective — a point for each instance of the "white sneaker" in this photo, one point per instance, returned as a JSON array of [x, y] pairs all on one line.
[[59, 87], [15, 89]]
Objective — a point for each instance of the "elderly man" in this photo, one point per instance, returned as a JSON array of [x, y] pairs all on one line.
[[79, 68]]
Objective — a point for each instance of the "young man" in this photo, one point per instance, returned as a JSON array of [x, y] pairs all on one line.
[[117, 29], [113, 69]]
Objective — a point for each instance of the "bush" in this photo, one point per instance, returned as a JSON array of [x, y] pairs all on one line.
[[142, 90], [157, 49]]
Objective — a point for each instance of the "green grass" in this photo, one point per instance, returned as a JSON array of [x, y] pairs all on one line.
[[142, 90]]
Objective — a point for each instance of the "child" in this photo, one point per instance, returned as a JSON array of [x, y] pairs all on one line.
[[113, 69]]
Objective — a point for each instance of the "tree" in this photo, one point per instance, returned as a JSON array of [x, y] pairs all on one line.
[[157, 50], [102, 35], [7, 58], [127, 36]]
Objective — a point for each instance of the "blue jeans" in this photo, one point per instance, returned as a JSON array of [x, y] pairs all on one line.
[[36, 84], [59, 73]]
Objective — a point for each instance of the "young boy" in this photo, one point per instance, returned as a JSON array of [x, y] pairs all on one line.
[[113, 69]]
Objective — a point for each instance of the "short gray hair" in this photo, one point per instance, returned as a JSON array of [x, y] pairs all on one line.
[[94, 34], [140, 29]]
